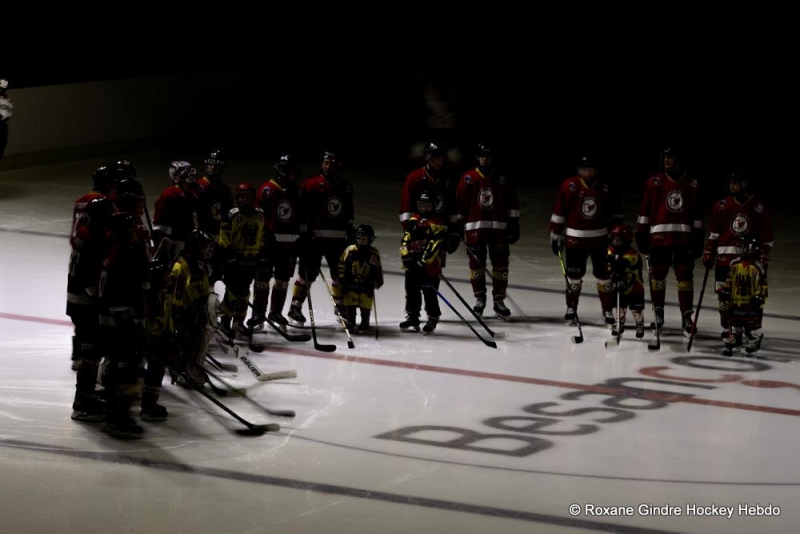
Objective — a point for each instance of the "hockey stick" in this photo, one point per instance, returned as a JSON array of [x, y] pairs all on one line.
[[375, 313], [464, 302], [350, 343], [251, 430], [657, 344], [317, 345], [243, 393], [579, 337], [286, 335], [615, 342], [221, 366], [697, 311], [486, 342], [262, 377], [510, 299]]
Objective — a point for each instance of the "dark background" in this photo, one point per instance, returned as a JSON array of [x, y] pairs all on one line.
[[724, 111]]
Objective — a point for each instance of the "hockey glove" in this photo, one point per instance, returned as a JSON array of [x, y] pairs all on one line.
[[556, 243], [512, 231], [758, 300]]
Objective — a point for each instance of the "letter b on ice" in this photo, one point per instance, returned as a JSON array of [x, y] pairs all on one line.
[[465, 440]]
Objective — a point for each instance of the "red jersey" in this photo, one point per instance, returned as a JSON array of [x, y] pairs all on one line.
[[585, 213], [214, 201], [283, 210], [439, 188], [80, 221], [485, 204], [175, 216], [732, 219], [328, 206], [671, 210]]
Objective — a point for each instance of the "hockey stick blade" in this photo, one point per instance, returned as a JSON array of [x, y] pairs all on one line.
[[258, 430], [577, 339], [222, 366], [288, 336], [277, 375]]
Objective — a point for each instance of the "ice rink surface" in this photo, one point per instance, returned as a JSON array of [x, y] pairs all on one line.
[[404, 433]]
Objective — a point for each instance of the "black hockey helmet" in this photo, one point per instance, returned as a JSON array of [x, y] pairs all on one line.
[[123, 228], [128, 195], [217, 157], [675, 155], [425, 203], [285, 165], [484, 149], [123, 170], [102, 180], [364, 235], [738, 176], [587, 162], [200, 245], [433, 150], [748, 245]]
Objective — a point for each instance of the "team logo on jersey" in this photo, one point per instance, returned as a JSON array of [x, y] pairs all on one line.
[[216, 211], [675, 200], [589, 207], [486, 199], [335, 207], [284, 210], [439, 208], [740, 225]]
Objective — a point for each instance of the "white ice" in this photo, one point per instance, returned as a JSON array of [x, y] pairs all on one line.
[[403, 433]]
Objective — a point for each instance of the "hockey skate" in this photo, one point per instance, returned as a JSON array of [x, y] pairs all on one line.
[[296, 317], [363, 327], [737, 338], [411, 324], [480, 305], [570, 317], [240, 328], [688, 324], [123, 428], [153, 413], [659, 323], [639, 329], [256, 323], [88, 410], [276, 318], [501, 311], [753, 343], [615, 332], [608, 319], [430, 326]]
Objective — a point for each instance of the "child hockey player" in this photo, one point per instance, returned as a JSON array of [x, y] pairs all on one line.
[[421, 252], [625, 265], [743, 297], [360, 274]]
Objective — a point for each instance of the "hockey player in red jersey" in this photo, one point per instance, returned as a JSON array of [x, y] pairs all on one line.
[[281, 201], [175, 216], [432, 178], [738, 214], [329, 211], [123, 280], [214, 202], [586, 209], [89, 240], [488, 210], [670, 232]]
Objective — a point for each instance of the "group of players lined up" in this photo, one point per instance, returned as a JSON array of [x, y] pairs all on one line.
[[140, 292], [670, 232]]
